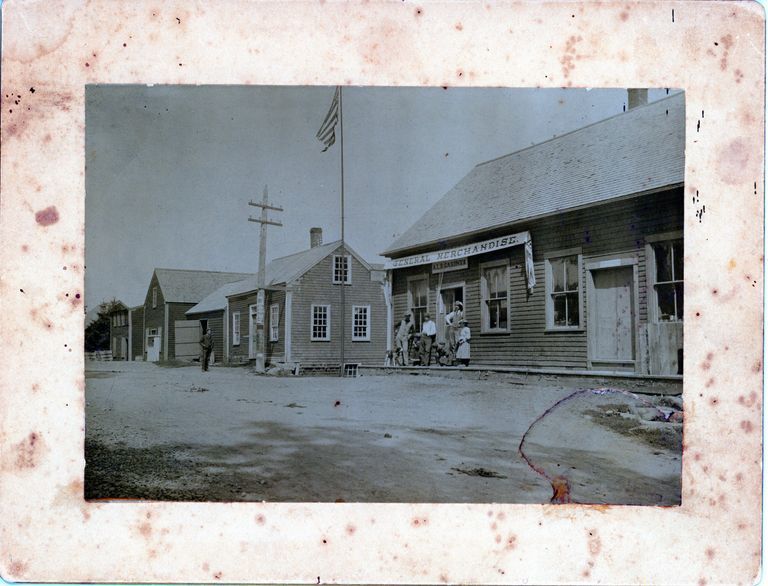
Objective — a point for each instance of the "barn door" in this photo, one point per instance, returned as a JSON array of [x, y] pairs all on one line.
[[187, 345], [612, 321]]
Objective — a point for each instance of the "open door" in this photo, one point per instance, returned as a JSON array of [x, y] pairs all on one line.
[[449, 295]]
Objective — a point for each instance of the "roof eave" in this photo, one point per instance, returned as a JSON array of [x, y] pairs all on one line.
[[396, 252]]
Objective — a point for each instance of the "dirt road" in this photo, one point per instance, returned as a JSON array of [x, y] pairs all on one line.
[[163, 433]]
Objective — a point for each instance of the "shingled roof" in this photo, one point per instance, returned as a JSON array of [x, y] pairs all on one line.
[[280, 271], [185, 286], [638, 151]]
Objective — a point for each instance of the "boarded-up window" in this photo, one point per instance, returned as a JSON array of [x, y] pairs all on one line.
[[669, 280], [563, 292], [495, 294], [418, 301], [321, 323], [236, 328], [361, 323], [341, 269], [274, 322], [154, 297]]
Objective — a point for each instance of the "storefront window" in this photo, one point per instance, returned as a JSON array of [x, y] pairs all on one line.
[[418, 300], [669, 280], [495, 292], [563, 291]]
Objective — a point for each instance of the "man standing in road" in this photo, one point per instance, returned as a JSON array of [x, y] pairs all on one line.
[[428, 335], [206, 347]]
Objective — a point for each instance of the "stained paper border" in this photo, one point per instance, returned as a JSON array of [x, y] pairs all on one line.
[[712, 50]]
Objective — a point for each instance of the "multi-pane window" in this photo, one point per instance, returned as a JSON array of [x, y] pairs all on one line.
[[236, 328], [154, 297], [274, 322], [495, 291], [669, 280], [418, 300], [341, 269], [321, 322], [563, 294], [361, 322]]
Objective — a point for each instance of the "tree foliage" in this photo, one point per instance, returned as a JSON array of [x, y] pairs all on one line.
[[97, 332]]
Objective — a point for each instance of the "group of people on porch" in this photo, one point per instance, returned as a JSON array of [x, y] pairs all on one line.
[[455, 349]]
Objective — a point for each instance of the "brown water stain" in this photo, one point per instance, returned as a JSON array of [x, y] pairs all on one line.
[[27, 451], [47, 216], [733, 161]]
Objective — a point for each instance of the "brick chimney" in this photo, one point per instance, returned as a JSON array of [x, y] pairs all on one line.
[[315, 237], [636, 97]]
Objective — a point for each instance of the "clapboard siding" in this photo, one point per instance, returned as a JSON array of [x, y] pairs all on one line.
[[316, 287], [216, 325], [137, 334], [239, 352], [154, 317], [275, 351], [616, 229]]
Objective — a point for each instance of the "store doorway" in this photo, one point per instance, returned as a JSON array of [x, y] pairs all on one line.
[[446, 298]]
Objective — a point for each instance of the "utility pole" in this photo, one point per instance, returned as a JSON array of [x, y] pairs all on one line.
[[261, 276], [343, 243]]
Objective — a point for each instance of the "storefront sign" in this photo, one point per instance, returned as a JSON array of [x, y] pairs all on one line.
[[449, 265], [460, 252]]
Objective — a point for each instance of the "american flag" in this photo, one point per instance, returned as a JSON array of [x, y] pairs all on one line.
[[327, 132]]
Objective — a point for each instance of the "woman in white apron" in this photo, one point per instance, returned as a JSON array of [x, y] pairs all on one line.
[[464, 336]]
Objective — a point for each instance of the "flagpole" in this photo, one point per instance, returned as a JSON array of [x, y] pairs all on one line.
[[343, 245]]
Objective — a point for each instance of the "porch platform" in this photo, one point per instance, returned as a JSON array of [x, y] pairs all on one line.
[[630, 381]]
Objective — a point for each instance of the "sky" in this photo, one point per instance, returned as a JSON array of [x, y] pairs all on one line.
[[170, 169]]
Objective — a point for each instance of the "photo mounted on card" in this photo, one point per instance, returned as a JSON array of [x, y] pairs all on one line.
[[384, 303]]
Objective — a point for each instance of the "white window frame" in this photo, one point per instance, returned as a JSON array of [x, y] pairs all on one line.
[[349, 269], [548, 286], [485, 318], [274, 322], [367, 336], [236, 328], [409, 295], [650, 274], [154, 297], [327, 337]]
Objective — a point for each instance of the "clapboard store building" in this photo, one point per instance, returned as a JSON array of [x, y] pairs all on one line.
[[302, 310], [566, 255]]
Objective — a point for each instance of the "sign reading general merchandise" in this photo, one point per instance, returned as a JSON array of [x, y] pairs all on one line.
[[459, 252]]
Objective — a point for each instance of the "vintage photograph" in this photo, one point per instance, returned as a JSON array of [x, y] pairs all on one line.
[[384, 294]]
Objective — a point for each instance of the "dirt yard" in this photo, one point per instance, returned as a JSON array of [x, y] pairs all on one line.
[[161, 433]]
